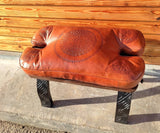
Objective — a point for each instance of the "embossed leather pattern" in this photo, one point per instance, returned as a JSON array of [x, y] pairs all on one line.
[[107, 57]]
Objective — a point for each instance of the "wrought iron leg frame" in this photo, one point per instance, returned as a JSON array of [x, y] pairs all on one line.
[[44, 93], [123, 107]]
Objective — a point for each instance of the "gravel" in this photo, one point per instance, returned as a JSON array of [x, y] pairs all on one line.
[[8, 127]]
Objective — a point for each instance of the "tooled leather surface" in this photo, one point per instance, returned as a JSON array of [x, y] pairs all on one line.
[[90, 55]]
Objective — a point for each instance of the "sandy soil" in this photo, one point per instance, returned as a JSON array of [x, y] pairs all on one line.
[[8, 127]]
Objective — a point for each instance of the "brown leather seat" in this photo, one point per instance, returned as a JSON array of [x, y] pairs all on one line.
[[102, 56]]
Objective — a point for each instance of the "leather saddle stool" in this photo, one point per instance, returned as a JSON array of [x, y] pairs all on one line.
[[100, 56]]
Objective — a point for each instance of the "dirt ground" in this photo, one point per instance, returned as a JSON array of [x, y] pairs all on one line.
[[8, 127]]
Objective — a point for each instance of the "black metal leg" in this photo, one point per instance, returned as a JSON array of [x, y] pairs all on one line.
[[44, 93], [123, 107]]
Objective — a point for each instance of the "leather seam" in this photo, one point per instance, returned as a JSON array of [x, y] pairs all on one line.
[[83, 74]]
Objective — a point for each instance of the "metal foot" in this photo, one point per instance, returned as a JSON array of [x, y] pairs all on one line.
[[44, 93], [123, 107], [142, 81]]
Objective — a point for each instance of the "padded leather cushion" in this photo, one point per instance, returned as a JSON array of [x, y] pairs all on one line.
[[107, 57]]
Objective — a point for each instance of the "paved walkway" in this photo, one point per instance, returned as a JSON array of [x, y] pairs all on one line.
[[78, 109]]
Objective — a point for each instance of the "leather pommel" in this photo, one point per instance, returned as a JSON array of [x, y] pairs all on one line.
[[40, 38], [131, 42]]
